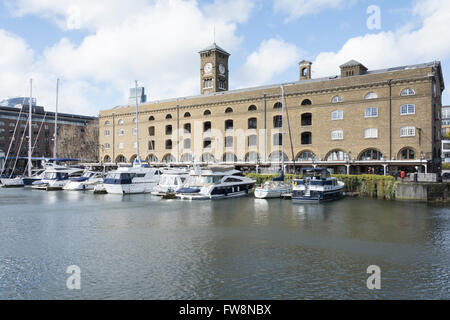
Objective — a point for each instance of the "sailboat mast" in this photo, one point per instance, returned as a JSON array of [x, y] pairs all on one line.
[[56, 119], [138, 157], [30, 112], [282, 128]]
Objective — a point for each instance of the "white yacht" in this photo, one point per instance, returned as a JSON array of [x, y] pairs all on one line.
[[56, 178], [317, 185], [215, 183], [131, 180], [87, 181], [12, 182], [272, 189], [171, 181]]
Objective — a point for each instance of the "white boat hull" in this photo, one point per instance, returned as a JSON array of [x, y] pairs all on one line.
[[133, 188], [12, 183], [198, 196]]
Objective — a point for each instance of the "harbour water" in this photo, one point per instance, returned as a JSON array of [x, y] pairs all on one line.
[[143, 247]]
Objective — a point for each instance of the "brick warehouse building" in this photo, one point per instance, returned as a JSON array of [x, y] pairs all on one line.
[[43, 128], [360, 119]]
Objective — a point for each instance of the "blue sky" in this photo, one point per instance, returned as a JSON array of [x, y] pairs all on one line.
[[99, 48]]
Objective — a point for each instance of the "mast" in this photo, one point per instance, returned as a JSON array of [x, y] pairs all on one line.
[[56, 120], [138, 157], [282, 128], [30, 111]]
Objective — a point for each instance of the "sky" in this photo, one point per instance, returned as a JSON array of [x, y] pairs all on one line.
[[99, 48]]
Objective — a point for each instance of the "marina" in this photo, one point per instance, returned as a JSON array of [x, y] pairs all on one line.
[[144, 247]]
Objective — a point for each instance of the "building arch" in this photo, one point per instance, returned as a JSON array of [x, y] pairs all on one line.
[[121, 159], [151, 158], [306, 102], [107, 123], [106, 159], [252, 108], [408, 92], [208, 157], [169, 116], [278, 105], [133, 157], [252, 156], [229, 110], [168, 158], [337, 155], [187, 157], [207, 113], [337, 99], [187, 115], [306, 155], [407, 153], [277, 156], [370, 154], [229, 157], [371, 95], [151, 118]]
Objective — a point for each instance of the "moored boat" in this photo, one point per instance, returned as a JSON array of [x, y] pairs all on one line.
[[56, 179], [12, 182], [317, 185], [171, 181], [87, 181], [137, 179], [272, 189]]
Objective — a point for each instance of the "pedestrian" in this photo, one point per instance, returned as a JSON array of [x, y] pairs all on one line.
[[402, 175]]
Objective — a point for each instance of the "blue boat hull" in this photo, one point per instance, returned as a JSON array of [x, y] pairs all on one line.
[[299, 197]]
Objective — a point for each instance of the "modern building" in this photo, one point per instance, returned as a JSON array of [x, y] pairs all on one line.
[[141, 96], [12, 102], [14, 123], [353, 122]]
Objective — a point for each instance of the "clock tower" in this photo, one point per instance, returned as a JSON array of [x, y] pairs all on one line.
[[213, 69]]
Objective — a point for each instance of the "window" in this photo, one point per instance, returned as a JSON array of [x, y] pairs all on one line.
[[169, 144], [371, 133], [152, 158], [169, 116], [187, 115], [337, 155], [107, 146], [408, 92], [306, 102], [134, 120], [11, 124], [187, 143], [252, 157], [120, 121], [2, 130], [370, 155], [407, 154], [222, 84], [151, 131], [306, 119], [277, 122], [207, 113], [277, 139], [134, 131], [337, 135], [168, 129], [371, 112], [371, 95], [278, 105], [187, 128], [107, 133], [408, 109], [306, 138], [408, 132], [121, 132], [337, 115], [229, 142], [151, 145], [230, 157], [135, 145], [151, 118], [252, 123], [121, 145], [252, 140], [206, 126], [252, 108], [306, 156], [229, 110], [229, 125], [207, 143], [107, 123], [207, 84], [337, 99]]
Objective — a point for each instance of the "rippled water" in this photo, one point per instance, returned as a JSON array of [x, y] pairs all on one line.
[[142, 247]]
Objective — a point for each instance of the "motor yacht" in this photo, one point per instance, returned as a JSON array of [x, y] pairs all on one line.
[[87, 181], [132, 180], [56, 178], [317, 185], [171, 181]]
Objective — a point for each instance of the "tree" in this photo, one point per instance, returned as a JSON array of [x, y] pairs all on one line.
[[79, 142]]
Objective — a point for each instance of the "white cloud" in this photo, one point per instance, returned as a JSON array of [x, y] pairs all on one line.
[[394, 48], [155, 42], [296, 8], [272, 58]]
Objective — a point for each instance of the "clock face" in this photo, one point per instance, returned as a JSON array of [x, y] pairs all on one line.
[[222, 69], [208, 68]]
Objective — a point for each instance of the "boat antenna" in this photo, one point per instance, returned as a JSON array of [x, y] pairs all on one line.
[[30, 131], [282, 128], [138, 157], [56, 120]]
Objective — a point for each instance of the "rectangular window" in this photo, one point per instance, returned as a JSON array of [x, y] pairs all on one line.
[[277, 139], [107, 133], [151, 145], [2, 123], [408, 132], [134, 131], [337, 135], [151, 131], [228, 142], [371, 112], [121, 145], [371, 133], [222, 84], [337, 115], [408, 109], [187, 143], [207, 83], [121, 132], [252, 141]]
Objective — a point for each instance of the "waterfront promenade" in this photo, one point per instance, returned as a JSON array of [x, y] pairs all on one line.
[[142, 247]]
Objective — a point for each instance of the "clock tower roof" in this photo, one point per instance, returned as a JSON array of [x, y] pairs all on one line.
[[215, 47]]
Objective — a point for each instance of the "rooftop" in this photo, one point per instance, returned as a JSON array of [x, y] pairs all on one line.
[[215, 47]]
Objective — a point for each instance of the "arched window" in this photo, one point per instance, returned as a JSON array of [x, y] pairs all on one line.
[[407, 154], [121, 159], [278, 105], [228, 124], [337, 155], [371, 95], [152, 158], [337, 99], [107, 123], [408, 92], [229, 157], [306, 156], [169, 158], [252, 108], [229, 110], [107, 159], [208, 157], [306, 138], [120, 121], [305, 72], [370, 154], [187, 157], [277, 156], [306, 102], [252, 123], [207, 113], [252, 157], [187, 115], [169, 116], [151, 118], [306, 119], [168, 144]]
